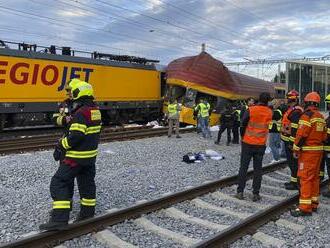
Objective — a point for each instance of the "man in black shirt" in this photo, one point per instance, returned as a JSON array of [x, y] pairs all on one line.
[[226, 122]]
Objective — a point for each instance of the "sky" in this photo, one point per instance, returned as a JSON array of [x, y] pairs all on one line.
[[233, 30]]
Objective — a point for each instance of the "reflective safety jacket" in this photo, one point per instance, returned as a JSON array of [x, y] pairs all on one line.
[[256, 131], [173, 111], [276, 124], [84, 133], [327, 141], [290, 123], [311, 132], [204, 109]]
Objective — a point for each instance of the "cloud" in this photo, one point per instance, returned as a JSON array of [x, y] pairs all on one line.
[[168, 29]]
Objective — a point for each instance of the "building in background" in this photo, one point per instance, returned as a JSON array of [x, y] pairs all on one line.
[[306, 76]]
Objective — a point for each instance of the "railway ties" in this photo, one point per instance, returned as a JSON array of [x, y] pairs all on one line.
[[199, 216]]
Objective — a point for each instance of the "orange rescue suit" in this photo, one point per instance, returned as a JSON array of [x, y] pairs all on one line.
[[257, 128], [309, 145]]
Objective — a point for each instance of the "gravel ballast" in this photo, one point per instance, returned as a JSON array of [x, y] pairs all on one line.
[[127, 172]]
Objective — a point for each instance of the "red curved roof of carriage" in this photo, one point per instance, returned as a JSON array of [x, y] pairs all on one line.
[[207, 74]]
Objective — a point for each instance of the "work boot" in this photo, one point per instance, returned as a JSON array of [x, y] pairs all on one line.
[[178, 137], [256, 197], [239, 196], [326, 194], [81, 218], [54, 226], [297, 213], [217, 142], [169, 136], [291, 186]]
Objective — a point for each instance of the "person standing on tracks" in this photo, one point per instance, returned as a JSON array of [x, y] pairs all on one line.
[[274, 132], [236, 124], [326, 157], [226, 123], [173, 110], [197, 117], [204, 111], [255, 123], [308, 148], [77, 153], [288, 132]]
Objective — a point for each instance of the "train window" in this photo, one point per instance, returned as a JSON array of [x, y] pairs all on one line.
[[189, 100], [221, 104], [175, 92]]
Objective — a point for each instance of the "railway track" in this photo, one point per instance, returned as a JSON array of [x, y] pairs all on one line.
[[47, 141], [237, 217]]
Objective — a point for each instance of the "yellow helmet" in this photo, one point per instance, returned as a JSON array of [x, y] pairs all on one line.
[[80, 88], [327, 99]]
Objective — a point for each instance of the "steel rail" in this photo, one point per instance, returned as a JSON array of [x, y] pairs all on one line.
[[42, 143], [250, 224], [48, 239]]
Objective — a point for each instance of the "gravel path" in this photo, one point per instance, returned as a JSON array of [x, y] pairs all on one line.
[[126, 172]]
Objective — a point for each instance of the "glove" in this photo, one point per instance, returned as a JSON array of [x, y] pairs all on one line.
[[59, 153]]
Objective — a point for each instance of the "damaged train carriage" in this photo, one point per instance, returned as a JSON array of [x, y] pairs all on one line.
[[191, 78]]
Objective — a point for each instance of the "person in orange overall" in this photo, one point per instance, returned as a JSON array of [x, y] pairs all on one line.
[[308, 148], [288, 132]]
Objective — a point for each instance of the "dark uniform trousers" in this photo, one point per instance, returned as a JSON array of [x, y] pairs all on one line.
[[293, 162], [62, 186], [221, 130], [236, 133], [248, 152]]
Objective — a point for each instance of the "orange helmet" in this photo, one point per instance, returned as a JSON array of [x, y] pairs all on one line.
[[312, 97], [292, 94]]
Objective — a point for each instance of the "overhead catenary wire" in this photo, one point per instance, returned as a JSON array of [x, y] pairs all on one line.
[[213, 24], [92, 28], [174, 25], [135, 23]]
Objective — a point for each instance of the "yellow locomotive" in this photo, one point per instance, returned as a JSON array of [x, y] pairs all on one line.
[[32, 86]]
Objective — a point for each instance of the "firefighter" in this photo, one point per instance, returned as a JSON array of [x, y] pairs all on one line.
[[326, 158], [173, 117], [254, 133], [226, 123], [236, 124], [308, 148], [288, 132], [77, 153]]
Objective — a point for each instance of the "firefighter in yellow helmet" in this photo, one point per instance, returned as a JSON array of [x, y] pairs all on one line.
[[77, 153], [326, 156]]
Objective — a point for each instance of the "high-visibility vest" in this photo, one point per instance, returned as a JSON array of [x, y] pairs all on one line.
[[256, 131], [172, 109], [277, 123], [204, 109]]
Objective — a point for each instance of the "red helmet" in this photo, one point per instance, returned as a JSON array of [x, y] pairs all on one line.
[[292, 94], [312, 97]]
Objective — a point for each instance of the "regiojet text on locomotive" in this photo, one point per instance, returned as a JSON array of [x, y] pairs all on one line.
[[47, 74]]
